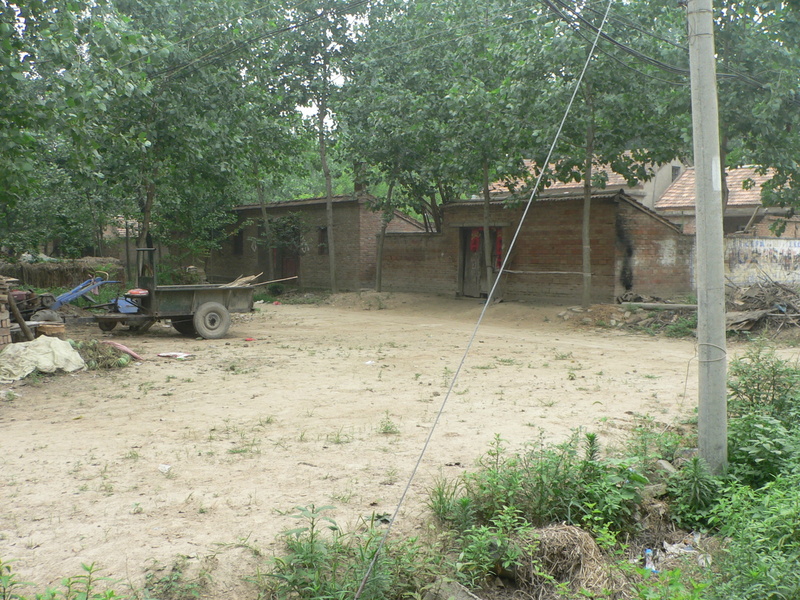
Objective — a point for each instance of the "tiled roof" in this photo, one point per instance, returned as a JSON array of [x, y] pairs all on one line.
[[680, 195], [614, 181]]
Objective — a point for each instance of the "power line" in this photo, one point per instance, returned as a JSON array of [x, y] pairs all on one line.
[[486, 305], [734, 74]]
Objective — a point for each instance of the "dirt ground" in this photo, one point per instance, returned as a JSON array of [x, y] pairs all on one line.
[[325, 404]]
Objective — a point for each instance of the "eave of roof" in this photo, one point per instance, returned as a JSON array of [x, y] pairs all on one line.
[[572, 194], [305, 202]]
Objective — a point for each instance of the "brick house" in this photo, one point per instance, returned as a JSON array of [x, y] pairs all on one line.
[[356, 228], [753, 251], [632, 249], [743, 211]]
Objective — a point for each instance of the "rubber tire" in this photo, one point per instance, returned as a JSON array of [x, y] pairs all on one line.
[[106, 325], [184, 326], [212, 320]]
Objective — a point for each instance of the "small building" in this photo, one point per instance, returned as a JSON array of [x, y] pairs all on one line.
[[356, 227], [743, 210], [632, 249], [753, 249]]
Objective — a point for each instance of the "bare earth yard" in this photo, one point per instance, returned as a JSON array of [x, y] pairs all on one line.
[[133, 467]]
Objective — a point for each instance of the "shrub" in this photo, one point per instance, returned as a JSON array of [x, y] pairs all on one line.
[[554, 484], [760, 447], [491, 549], [323, 561], [694, 491], [763, 383], [275, 289], [761, 558]]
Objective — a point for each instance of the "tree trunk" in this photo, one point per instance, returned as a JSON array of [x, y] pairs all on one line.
[[147, 210], [323, 109], [267, 241], [487, 238], [586, 296], [388, 213]]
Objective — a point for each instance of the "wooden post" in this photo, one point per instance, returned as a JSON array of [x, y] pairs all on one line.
[[18, 316]]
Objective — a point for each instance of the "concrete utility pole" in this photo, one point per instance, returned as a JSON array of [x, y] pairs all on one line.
[[712, 402]]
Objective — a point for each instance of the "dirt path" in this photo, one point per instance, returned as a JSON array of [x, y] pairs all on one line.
[[207, 458]]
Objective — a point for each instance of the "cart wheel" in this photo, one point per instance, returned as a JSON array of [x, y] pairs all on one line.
[[212, 320], [184, 325], [106, 325]]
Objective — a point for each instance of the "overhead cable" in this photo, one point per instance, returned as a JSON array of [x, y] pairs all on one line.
[[488, 302]]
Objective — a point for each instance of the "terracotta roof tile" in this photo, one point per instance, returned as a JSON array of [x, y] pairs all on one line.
[[680, 195], [614, 181]]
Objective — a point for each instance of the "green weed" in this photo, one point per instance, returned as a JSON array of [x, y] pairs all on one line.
[[387, 426]]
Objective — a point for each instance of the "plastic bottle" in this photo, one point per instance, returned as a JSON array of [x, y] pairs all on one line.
[[648, 561]]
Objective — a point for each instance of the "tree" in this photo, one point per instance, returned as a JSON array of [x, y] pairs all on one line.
[[440, 101], [607, 128], [314, 60]]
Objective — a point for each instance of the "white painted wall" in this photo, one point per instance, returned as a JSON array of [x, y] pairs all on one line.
[[747, 260]]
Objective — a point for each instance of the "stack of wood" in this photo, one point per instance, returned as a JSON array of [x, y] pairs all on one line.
[[764, 303], [5, 316], [242, 281]]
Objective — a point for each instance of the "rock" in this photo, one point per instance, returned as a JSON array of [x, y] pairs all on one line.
[[449, 590], [655, 490], [666, 466]]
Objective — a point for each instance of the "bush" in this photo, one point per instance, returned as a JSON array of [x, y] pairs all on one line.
[[323, 561], [694, 492], [761, 558], [760, 447], [276, 289], [563, 483], [763, 383]]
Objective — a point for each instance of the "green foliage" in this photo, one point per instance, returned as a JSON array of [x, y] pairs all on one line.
[[9, 584], [760, 447], [173, 583], [763, 383], [683, 327], [288, 232], [694, 492], [491, 549], [760, 560], [78, 587], [323, 561], [650, 442], [763, 439], [551, 484], [276, 289], [669, 585], [387, 426]]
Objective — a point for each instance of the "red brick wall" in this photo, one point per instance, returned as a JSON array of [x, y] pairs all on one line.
[[371, 223], [355, 230], [314, 267], [420, 262], [548, 253], [661, 258]]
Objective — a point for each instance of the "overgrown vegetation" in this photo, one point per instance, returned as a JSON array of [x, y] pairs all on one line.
[[324, 561]]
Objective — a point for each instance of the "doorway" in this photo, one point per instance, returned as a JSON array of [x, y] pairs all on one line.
[[474, 283]]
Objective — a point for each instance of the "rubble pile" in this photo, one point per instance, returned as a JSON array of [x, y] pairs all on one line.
[[765, 305]]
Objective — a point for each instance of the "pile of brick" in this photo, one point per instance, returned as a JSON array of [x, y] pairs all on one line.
[[5, 317]]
